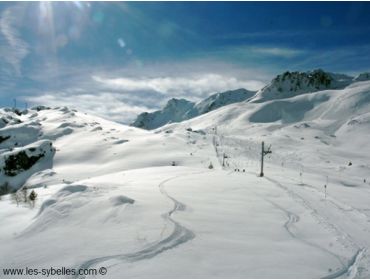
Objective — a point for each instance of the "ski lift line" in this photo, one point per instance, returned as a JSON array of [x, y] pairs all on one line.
[[263, 154], [223, 146]]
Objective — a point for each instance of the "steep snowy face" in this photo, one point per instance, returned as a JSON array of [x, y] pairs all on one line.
[[290, 84], [221, 99], [177, 110], [174, 111]]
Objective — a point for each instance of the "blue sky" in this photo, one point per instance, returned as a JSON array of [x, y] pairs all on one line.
[[118, 59]]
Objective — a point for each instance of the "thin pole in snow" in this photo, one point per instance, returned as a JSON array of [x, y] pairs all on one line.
[[263, 153], [301, 174]]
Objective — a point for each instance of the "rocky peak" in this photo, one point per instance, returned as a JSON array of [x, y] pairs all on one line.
[[175, 103], [290, 84], [362, 77]]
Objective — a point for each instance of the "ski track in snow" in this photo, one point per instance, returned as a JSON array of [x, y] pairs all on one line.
[[314, 213], [352, 269], [338, 204], [349, 270], [293, 219], [178, 236]]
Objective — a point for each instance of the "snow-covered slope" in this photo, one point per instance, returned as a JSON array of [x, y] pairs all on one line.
[[144, 204], [322, 122], [177, 110], [102, 145]]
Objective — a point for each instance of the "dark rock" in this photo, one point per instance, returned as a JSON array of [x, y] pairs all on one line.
[[20, 162]]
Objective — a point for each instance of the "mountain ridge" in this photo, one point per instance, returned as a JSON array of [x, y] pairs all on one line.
[[177, 110], [285, 85]]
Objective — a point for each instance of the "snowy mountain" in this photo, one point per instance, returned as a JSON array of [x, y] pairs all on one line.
[[174, 111], [362, 77], [290, 84], [145, 204], [177, 110], [286, 85], [221, 99]]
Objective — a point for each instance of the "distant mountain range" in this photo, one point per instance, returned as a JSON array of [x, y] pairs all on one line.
[[177, 110], [285, 85]]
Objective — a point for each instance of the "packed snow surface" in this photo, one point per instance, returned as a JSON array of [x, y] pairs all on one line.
[[145, 204]]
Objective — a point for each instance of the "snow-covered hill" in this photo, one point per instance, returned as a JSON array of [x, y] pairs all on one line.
[[177, 110], [145, 204]]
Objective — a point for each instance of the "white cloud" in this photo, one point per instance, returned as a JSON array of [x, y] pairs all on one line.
[[107, 105], [121, 94], [275, 51], [261, 52], [349, 60], [14, 49], [121, 42], [190, 87]]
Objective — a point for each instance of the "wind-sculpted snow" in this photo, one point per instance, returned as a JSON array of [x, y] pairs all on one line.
[[120, 200]]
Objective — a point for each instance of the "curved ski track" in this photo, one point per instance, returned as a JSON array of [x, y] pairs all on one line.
[[351, 268], [178, 236]]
